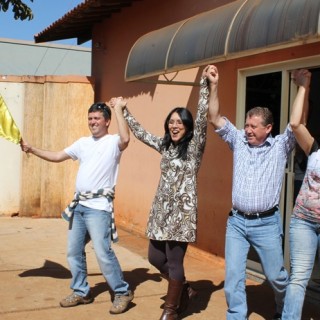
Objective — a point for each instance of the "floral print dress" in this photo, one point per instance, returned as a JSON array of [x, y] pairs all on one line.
[[307, 206], [173, 214]]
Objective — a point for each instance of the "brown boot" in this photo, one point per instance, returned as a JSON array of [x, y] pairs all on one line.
[[188, 293], [172, 300]]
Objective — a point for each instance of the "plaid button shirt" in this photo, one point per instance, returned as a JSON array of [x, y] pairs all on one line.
[[257, 170]]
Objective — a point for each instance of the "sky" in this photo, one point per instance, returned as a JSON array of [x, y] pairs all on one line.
[[45, 12]]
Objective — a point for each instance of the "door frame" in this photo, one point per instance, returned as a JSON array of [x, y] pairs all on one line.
[[288, 93]]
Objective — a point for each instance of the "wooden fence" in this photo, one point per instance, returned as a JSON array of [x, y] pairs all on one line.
[[54, 116]]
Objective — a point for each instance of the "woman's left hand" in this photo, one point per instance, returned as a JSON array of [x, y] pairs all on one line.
[[118, 102]]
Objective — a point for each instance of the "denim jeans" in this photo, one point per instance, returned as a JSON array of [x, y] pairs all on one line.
[[304, 242], [265, 236], [96, 224]]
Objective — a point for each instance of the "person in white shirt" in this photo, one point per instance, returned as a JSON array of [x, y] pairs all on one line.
[[90, 214]]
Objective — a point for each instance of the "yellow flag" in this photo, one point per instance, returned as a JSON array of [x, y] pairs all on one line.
[[8, 128]]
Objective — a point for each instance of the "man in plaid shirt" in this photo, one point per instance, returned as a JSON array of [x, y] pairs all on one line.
[[259, 162]]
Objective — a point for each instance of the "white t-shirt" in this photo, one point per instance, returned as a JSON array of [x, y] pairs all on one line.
[[99, 165]]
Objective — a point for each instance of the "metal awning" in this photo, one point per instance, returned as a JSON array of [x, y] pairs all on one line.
[[241, 27]]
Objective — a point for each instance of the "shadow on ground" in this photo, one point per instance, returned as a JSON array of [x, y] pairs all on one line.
[[135, 277], [205, 289], [49, 269]]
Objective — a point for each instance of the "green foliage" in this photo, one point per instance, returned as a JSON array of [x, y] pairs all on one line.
[[20, 9]]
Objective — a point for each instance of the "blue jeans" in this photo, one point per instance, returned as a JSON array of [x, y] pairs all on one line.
[[265, 236], [96, 224], [304, 242]]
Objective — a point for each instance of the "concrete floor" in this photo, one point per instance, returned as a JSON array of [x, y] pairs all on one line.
[[34, 276]]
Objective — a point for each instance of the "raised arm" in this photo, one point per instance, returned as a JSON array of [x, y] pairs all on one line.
[[139, 132], [297, 118], [52, 156], [118, 104], [212, 74], [201, 120]]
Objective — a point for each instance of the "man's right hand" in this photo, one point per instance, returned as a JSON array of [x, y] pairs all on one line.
[[25, 147]]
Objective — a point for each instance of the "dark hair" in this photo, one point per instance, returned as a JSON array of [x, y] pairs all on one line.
[[102, 107], [264, 113], [187, 120]]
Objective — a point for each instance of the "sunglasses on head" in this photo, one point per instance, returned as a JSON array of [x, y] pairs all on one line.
[[101, 106], [104, 108]]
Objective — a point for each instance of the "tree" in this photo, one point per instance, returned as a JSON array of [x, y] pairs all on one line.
[[20, 9]]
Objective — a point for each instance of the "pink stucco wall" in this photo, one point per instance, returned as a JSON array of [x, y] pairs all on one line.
[[150, 103]]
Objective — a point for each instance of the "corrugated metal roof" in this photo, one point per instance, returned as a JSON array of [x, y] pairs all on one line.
[[78, 22], [219, 34]]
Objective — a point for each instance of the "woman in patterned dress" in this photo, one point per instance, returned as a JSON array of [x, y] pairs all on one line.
[[172, 222]]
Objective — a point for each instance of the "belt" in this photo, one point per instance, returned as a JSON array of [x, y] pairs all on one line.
[[256, 215]]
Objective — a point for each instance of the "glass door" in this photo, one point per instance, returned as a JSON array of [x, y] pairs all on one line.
[[264, 90]]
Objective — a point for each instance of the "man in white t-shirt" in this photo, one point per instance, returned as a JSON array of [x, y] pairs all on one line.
[[90, 214]]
